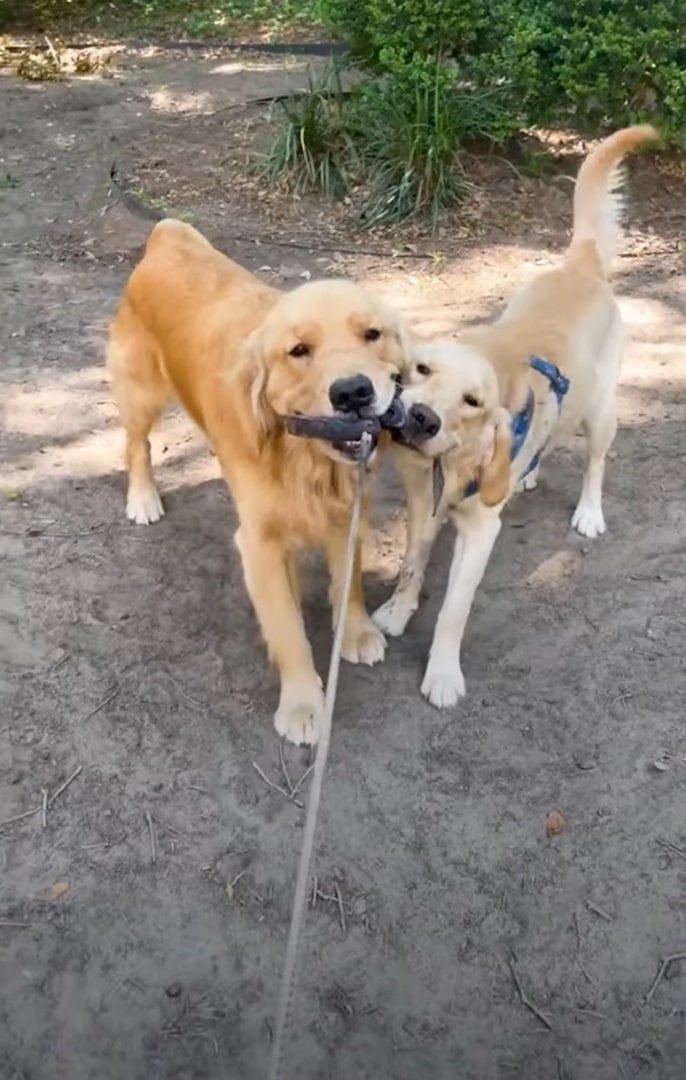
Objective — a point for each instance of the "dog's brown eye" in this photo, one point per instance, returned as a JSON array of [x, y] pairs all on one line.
[[469, 399], [301, 349], [372, 334], [422, 369]]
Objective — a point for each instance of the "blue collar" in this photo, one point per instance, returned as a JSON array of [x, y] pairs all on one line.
[[521, 421]]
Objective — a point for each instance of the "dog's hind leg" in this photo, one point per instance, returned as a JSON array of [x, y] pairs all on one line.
[[141, 393], [600, 423], [363, 642], [423, 527]]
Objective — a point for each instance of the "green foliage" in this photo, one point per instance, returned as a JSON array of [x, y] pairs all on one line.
[[595, 62], [397, 139], [317, 147], [185, 18], [602, 64]]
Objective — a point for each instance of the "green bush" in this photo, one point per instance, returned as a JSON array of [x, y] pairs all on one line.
[[600, 63], [594, 62], [396, 140]]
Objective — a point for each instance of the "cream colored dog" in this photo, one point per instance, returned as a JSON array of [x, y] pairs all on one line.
[[242, 358], [552, 361]]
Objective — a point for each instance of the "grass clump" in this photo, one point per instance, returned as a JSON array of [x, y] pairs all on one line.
[[395, 140]]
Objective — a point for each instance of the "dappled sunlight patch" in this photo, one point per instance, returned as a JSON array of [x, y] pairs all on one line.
[[174, 101], [642, 311], [235, 67], [555, 570], [384, 548]]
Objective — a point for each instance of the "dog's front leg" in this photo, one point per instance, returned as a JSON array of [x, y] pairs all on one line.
[[478, 528], [363, 643], [270, 579], [423, 527]]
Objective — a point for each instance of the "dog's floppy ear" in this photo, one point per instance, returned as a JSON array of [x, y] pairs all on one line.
[[252, 374], [494, 474]]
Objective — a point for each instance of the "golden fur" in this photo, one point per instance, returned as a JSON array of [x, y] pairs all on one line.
[[567, 316], [196, 326]]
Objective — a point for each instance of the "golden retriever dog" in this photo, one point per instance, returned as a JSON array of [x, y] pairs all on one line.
[[552, 361], [242, 357]]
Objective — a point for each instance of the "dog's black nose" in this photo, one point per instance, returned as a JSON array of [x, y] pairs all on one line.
[[424, 422], [351, 395]]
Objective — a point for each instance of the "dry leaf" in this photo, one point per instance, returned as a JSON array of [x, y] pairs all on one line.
[[59, 889], [554, 823]]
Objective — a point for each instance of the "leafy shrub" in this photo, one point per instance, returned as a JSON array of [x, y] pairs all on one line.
[[317, 147], [398, 138], [599, 62]]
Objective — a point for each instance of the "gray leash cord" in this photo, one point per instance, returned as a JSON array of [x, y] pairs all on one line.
[[287, 995]]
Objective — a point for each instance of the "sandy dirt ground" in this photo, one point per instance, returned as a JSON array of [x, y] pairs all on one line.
[[143, 918]]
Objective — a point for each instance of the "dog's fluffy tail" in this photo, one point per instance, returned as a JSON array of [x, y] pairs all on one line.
[[598, 200]]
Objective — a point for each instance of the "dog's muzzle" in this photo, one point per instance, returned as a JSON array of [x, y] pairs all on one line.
[[420, 424]]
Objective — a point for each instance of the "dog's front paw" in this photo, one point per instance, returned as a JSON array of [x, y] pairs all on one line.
[[443, 684], [393, 616], [529, 482], [589, 521], [299, 714], [363, 643], [144, 506]]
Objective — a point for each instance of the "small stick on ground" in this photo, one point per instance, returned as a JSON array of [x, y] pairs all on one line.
[[63, 787], [44, 808], [102, 705], [599, 911], [277, 787], [525, 1000], [315, 891], [153, 842], [662, 971], [284, 770], [20, 817], [341, 909], [672, 847], [299, 783], [578, 947], [51, 50], [16, 925]]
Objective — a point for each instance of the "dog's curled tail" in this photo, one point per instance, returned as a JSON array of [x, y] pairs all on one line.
[[598, 201]]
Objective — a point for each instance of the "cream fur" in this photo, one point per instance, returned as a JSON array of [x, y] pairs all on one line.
[[569, 317]]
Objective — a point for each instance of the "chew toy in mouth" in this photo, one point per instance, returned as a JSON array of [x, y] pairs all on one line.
[[345, 433]]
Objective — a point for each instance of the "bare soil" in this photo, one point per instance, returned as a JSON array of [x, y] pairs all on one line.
[[143, 919]]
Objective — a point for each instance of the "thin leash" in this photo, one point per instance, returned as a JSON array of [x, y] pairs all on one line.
[[288, 983]]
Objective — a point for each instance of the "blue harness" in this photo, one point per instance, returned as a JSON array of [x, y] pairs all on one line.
[[521, 421]]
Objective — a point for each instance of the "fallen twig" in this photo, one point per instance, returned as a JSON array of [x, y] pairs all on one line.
[[277, 787], [77, 770], [671, 847], [284, 770], [578, 947], [17, 925], [662, 971], [153, 842], [299, 783], [527, 1001], [20, 817], [341, 909], [110, 697], [599, 911], [44, 808]]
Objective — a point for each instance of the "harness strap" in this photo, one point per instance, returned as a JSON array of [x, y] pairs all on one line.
[[521, 421]]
